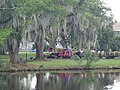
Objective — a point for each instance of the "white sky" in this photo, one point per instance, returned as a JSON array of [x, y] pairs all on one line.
[[115, 6]]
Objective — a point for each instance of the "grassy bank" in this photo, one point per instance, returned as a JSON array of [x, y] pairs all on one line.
[[59, 63], [73, 63]]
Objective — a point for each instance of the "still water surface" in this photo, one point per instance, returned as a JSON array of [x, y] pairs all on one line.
[[60, 81]]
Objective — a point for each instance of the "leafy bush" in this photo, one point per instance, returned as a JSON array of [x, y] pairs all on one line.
[[90, 57]]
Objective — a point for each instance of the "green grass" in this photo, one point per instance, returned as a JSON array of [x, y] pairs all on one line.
[[29, 54], [63, 62], [21, 55], [56, 63], [107, 63], [73, 63]]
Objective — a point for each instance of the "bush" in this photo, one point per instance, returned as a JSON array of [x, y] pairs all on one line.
[[90, 57]]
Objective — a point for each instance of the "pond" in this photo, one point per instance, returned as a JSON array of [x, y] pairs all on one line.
[[83, 80]]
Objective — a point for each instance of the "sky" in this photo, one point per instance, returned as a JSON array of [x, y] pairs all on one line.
[[115, 6]]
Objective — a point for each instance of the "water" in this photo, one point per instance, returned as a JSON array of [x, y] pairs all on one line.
[[60, 81]]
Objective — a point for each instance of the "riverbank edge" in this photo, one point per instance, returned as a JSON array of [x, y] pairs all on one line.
[[14, 69]]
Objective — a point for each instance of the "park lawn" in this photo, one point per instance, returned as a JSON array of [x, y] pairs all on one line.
[[72, 63], [107, 63], [4, 59], [56, 63], [61, 63], [21, 55], [29, 54]]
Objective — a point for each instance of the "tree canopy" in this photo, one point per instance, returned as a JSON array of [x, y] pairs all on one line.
[[73, 23]]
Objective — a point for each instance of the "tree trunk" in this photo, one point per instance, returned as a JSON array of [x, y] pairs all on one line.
[[39, 51], [14, 57], [13, 49], [54, 36], [40, 23], [53, 44], [40, 44]]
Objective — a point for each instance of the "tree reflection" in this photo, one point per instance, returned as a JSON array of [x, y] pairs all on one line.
[[4, 81], [58, 81], [40, 82], [14, 83], [81, 81]]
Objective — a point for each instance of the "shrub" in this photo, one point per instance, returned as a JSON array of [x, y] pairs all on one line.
[[90, 57]]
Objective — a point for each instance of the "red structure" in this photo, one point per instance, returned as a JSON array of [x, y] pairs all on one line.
[[65, 53]]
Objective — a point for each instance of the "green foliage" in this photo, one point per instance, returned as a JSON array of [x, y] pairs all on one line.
[[116, 43], [41, 7], [70, 2], [90, 57], [106, 38], [4, 34], [88, 15], [6, 11]]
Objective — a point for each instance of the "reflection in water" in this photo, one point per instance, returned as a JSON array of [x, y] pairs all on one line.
[[60, 81], [14, 82]]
